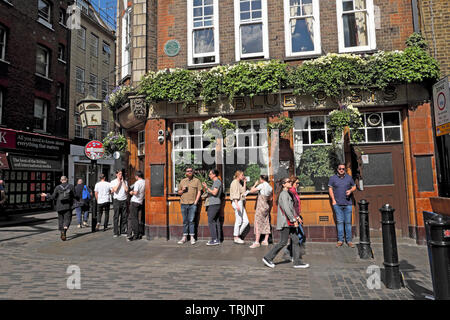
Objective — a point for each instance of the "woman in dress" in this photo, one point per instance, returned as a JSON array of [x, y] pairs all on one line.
[[263, 205], [237, 197]]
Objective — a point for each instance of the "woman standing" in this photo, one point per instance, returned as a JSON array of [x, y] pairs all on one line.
[[287, 224], [263, 204], [214, 204], [237, 197]]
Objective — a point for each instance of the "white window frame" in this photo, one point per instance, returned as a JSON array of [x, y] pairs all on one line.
[[94, 45], [45, 17], [62, 53], [79, 82], [106, 53], [62, 17], [126, 41], [382, 127], [3, 44], [141, 143], [316, 29], [105, 88], [82, 37], [93, 85], [59, 97], [44, 114], [47, 61], [370, 28], [237, 33], [190, 35]]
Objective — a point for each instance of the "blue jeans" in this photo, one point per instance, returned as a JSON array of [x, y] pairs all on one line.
[[188, 213], [79, 211], [344, 217]]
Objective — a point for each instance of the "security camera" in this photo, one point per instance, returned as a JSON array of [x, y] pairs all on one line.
[[160, 139], [161, 133]]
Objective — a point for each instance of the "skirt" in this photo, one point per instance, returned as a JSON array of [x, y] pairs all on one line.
[[262, 218]]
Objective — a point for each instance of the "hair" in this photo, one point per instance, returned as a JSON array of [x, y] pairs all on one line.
[[139, 174], [279, 186], [341, 164], [215, 171], [264, 177], [187, 168], [117, 171], [293, 179], [63, 178], [101, 176], [238, 173], [79, 179]]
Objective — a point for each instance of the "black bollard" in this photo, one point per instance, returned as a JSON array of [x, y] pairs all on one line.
[[365, 251], [391, 265], [439, 244]]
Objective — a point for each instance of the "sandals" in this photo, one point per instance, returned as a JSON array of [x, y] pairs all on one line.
[[255, 245], [265, 243]]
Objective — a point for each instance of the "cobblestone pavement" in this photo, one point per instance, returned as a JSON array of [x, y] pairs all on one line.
[[34, 262]]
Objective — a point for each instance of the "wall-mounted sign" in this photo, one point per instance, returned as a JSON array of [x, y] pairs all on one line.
[[25, 163], [40, 144], [94, 150], [172, 48], [441, 99], [7, 139]]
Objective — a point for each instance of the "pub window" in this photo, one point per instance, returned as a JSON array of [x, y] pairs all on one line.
[[381, 127], [94, 45], [302, 27], [356, 25], [40, 114], [251, 30], [81, 38], [78, 126], [203, 31], [44, 12], [42, 61], [79, 76], [141, 143], [2, 43], [93, 85]]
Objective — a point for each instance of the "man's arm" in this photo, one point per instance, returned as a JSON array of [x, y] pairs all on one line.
[[330, 190]]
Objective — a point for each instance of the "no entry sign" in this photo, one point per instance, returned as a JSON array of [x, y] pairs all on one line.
[[94, 150], [441, 97]]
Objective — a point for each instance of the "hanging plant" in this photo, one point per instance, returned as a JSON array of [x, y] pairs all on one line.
[[346, 116], [218, 124], [114, 142], [283, 124], [117, 97]]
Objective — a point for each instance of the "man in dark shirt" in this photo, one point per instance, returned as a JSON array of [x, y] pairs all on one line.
[[341, 186]]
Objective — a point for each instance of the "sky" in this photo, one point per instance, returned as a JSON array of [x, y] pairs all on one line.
[[108, 5]]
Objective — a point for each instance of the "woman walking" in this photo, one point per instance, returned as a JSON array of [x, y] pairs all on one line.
[[214, 204], [263, 205], [297, 210], [287, 224], [237, 197]]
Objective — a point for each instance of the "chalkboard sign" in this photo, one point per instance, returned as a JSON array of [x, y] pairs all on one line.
[[157, 180], [424, 173]]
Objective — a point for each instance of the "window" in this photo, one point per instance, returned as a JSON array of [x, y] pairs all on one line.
[[81, 38], [126, 39], [251, 31], [141, 143], [105, 85], [42, 61], [382, 127], [93, 85], [44, 11], [40, 115], [2, 43], [62, 16], [105, 128], [106, 52], [356, 25], [83, 6], [203, 31], [61, 53], [302, 27], [60, 96], [92, 134], [94, 45], [79, 76], [78, 126]]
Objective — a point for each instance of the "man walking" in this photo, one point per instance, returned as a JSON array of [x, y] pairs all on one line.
[[341, 186], [190, 189], [136, 201], [119, 189], [102, 195], [63, 195]]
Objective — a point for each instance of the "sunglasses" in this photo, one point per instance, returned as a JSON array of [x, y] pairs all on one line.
[[188, 170], [341, 168]]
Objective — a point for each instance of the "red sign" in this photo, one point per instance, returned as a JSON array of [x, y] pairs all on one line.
[[7, 139], [447, 233], [94, 150]]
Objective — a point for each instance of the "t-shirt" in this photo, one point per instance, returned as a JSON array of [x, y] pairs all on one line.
[[215, 199], [121, 194], [340, 186], [194, 185], [103, 188], [139, 186], [265, 189]]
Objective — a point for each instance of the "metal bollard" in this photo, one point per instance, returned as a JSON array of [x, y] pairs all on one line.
[[391, 265], [365, 251], [439, 244]]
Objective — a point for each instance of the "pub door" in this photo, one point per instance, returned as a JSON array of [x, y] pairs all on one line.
[[383, 173]]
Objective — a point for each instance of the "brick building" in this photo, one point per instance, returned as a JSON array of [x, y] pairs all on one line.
[[34, 73], [156, 35]]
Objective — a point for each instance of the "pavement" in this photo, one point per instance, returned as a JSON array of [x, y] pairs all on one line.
[[36, 265]]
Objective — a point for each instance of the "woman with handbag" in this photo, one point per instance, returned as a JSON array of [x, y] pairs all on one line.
[[237, 197], [297, 210], [213, 204], [263, 205], [287, 224]]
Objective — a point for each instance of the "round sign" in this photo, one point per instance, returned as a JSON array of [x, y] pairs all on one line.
[[172, 48], [94, 150], [116, 155], [441, 101]]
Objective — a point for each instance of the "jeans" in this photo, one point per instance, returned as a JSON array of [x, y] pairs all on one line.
[[214, 222], [188, 213], [344, 218], [241, 221], [64, 219], [120, 216], [285, 233], [79, 211], [100, 208], [133, 221]]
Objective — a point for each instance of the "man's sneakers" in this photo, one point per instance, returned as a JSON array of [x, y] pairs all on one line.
[[268, 262], [193, 240], [213, 243], [183, 240], [301, 266]]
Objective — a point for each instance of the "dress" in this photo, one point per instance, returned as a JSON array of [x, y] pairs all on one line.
[[262, 221]]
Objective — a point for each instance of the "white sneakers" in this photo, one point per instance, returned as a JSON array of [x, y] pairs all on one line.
[[184, 240], [239, 241]]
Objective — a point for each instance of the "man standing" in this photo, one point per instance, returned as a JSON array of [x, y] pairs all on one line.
[[119, 189], [341, 186], [63, 195], [190, 189], [136, 206], [102, 195]]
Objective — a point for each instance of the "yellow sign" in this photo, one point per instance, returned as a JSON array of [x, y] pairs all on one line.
[[443, 129]]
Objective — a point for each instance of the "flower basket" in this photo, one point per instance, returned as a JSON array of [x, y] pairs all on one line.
[[114, 142], [117, 97], [218, 125], [346, 116], [283, 124]]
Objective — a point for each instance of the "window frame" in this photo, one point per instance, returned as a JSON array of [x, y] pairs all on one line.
[[371, 35], [382, 127], [93, 85], [105, 53], [316, 29], [94, 41], [61, 53], [3, 43], [104, 128], [141, 143], [237, 32], [60, 97], [105, 83], [78, 126], [41, 15], [47, 61], [92, 131], [82, 38], [190, 35], [44, 115], [77, 80]]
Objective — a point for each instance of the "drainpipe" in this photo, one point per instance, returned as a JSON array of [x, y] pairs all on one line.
[[415, 13]]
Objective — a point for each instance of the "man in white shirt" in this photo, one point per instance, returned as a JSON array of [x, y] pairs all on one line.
[[119, 190], [136, 202], [102, 195]]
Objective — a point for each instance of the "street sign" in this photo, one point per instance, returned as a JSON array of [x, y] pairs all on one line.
[[94, 150], [441, 99]]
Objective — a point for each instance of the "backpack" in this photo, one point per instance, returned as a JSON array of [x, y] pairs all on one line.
[[65, 194], [86, 194]]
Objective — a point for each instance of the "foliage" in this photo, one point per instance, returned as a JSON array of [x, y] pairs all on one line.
[[345, 117], [117, 97], [114, 142], [317, 162], [253, 171], [283, 124], [305, 181], [189, 159], [416, 40], [210, 127]]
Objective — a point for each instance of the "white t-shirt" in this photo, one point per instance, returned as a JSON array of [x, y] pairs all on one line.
[[103, 188], [121, 194], [265, 189], [139, 186]]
